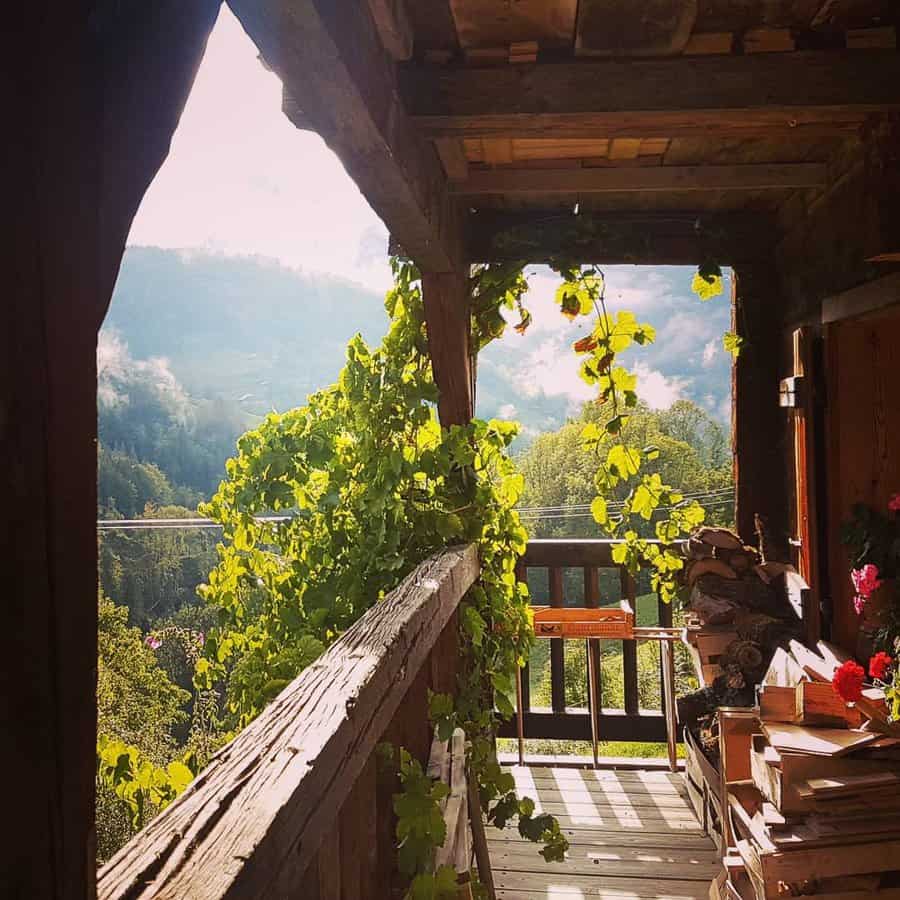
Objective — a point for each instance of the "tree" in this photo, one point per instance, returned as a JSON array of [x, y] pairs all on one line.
[[559, 474], [138, 710]]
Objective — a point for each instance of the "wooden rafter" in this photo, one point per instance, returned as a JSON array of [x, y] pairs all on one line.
[[808, 92], [638, 238], [335, 68], [651, 179]]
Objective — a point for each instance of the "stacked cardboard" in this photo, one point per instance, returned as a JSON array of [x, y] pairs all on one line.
[[820, 813]]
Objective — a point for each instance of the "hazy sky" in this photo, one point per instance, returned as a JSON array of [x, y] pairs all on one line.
[[242, 179]]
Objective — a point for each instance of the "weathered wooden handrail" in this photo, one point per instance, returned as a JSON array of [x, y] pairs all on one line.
[[253, 822], [557, 723]]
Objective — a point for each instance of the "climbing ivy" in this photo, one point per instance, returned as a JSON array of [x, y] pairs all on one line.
[[583, 293], [369, 485]]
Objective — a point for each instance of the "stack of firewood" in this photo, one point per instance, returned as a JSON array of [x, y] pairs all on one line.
[[820, 813], [739, 612]]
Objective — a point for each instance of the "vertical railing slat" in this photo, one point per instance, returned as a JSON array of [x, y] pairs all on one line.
[[629, 649], [592, 600], [664, 614], [557, 647], [522, 576]]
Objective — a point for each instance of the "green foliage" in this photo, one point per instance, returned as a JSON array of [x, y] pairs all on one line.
[[155, 573], [136, 701], [707, 283], [621, 464], [733, 343], [139, 709], [143, 787], [371, 486]]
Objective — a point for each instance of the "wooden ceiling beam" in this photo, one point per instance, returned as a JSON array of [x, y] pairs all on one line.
[[621, 238], [808, 92], [342, 82], [649, 179]]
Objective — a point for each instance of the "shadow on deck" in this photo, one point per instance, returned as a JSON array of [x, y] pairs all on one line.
[[632, 835]]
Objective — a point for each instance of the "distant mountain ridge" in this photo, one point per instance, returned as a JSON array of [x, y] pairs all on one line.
[[256, 335]]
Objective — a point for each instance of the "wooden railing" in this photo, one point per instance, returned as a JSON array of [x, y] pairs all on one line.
[[295, 805], [597, 581]]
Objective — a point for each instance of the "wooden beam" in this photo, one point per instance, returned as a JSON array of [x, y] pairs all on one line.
[[636, 238], [651, 179], [252, 823], [447, 321], [335, 68], [867, 299], [393, 26], [453, 158], [792, 93]]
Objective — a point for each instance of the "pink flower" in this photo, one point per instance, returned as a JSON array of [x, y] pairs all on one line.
[[153, 642], [866, 580], [894, 503], [859, 604], [201, 638]]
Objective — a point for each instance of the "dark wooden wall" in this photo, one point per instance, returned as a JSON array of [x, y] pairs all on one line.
[[834, 242], [863, 451], [96, 92]]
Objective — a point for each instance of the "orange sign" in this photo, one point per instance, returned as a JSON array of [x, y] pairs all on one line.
[[584, 622]]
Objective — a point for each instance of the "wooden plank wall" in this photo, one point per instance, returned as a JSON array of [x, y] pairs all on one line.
[[863, 450], [357, 860], [96, 92]]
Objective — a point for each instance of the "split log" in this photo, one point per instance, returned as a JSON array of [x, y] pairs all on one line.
[[721, 538], [708, 567]]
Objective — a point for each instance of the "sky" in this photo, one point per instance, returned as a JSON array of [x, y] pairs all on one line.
[[241, 179]]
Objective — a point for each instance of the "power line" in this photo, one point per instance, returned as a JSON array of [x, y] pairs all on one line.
[[580, 511]]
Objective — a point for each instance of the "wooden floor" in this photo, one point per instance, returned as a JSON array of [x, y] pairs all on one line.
[[632, 835]]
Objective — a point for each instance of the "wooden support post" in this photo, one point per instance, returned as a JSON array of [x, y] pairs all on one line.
[[479, 840], [446, 297], [116, 81], [594, 659], [757, 433], [667, 652]]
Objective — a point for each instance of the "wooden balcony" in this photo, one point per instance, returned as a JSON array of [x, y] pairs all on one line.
[[296, 805]]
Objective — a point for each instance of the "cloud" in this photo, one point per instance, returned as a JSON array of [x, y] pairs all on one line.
[[710, 352], [552, 370], [657, 390], [118, 372], [507, 411]]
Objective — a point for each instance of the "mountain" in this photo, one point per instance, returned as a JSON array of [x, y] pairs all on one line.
[[209, 343]]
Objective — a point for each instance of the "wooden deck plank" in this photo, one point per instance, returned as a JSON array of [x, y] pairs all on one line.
[[631, 835], [527, 885]]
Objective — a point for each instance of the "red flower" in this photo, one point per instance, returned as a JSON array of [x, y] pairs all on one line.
[[848, 681], [879, 665], [894, 503]]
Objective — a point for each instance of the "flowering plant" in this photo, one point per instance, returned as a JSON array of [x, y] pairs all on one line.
[[849, 678], [872, 538], [848, 681]]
